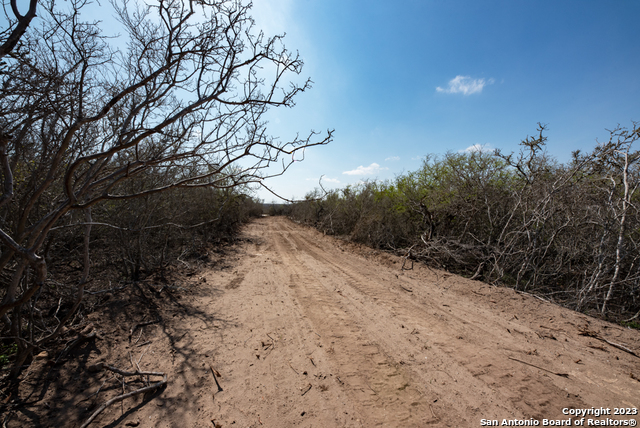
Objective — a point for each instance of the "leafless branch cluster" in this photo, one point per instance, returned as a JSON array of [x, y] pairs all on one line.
[[90, 123]]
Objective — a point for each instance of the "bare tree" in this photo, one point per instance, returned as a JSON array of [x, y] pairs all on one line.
[[618, 163], [182, 107]]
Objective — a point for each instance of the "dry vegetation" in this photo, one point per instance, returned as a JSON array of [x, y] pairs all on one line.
[[120, 165], [122, 156], [568, 232]]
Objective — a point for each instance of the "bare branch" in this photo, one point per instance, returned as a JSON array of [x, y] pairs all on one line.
[[20, 28]]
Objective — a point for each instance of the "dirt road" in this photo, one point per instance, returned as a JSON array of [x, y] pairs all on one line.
[[306, 330]]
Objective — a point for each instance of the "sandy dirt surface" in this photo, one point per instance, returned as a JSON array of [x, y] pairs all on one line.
[[306, 330]]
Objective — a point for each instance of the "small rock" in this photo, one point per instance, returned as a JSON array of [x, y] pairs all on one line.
[[132, 423]]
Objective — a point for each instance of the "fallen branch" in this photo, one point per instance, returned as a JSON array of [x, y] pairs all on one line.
[[533, 295], [615, 345], [543, 369], [127, 395], [622, 348], [100, 366]]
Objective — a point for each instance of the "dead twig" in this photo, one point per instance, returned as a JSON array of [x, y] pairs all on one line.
[[138, 339], [215, 374], [142, 355], [615, 345], [306, 390], [127, 395], [272, 340], [405, 288], [101, 366], [533, 295], [543, 369]]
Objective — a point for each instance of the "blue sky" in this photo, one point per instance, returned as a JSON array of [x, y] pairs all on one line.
[[399, 80]]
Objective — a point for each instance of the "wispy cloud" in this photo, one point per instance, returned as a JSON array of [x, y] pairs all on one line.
[[392, 158], [372, 169], [465, 85], [331, 180], [324, 180], [479, 148]]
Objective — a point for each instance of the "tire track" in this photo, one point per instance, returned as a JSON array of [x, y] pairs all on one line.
[[371, 377], [327, 337], [461, 360]]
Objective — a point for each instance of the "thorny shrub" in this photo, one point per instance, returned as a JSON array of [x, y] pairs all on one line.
[[570, 232]]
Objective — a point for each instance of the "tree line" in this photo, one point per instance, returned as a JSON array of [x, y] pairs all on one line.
[[567, 231]]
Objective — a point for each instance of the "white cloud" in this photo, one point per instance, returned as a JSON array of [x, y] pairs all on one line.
[[372, 169], [479, 148], [392, 158], [324, 180], [465, 85], [331, 180]]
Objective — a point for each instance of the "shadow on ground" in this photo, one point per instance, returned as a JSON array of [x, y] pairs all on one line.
[[147, 325]]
